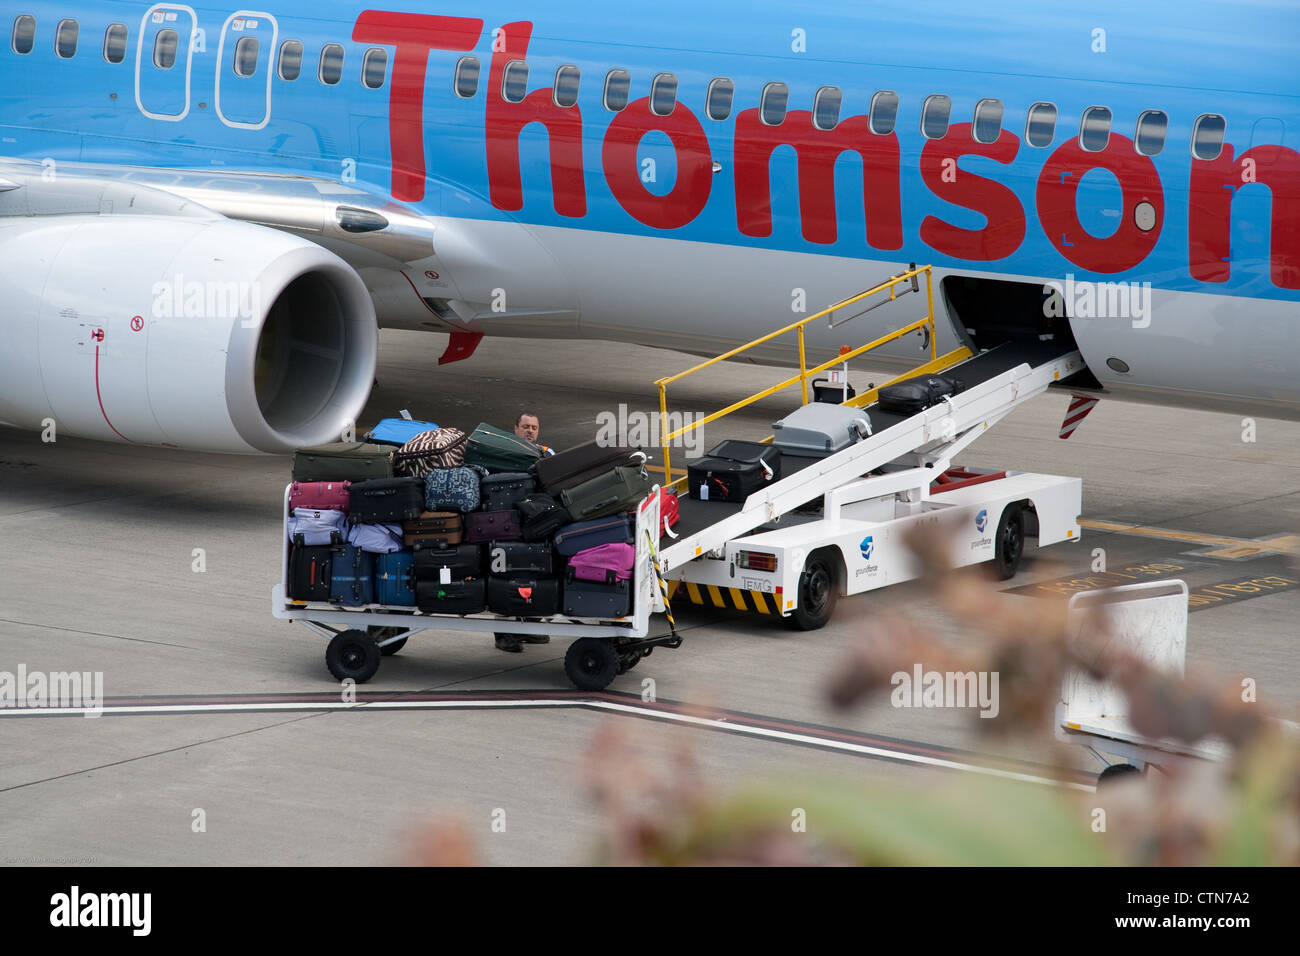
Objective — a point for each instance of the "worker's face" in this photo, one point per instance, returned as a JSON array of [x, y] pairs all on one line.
[[528, 427]]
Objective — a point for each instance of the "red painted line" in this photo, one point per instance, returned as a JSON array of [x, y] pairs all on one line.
[[967, 482], [101, 398], [1073, 419], [426, 305]]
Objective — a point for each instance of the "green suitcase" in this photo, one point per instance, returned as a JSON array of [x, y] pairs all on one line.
[[343, 461], [498, 450], [618, 490]]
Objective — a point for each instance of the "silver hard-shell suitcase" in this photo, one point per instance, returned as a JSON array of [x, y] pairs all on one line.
[[820, 429]]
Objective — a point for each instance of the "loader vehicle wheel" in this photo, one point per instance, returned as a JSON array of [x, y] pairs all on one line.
[[1009, 545], [818, 591]]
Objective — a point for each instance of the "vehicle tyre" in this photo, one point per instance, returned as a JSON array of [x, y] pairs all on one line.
[[818, 592], [1009, 543], [352, 655], [591, 663], [1116, 771]]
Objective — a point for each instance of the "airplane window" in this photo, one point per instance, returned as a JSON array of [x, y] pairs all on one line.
[[115, 43], [617, 84], [772, 104], [721, 91], [934, 116], [884, 112], [1040, 126], [1094, 130], [164, 49], [24, 34], [663, 94], [466, 80], [826, 107], [1207, 136], [374, 68], [65, 39], [245, 63], [988, 121], [567, 79], [290, 60], [514, 84], [330, 70], [1150, 137]]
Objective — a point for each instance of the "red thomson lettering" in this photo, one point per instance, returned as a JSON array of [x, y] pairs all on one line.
[[817, 152], [1212, 186], [414, 35], [506, 120], [1058, 186], [694, 180], [1005, 229]]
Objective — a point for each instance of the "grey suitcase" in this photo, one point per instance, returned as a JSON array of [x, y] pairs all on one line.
[[820, 429]]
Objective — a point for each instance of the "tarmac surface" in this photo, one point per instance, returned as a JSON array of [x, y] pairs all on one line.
[[237, 724]]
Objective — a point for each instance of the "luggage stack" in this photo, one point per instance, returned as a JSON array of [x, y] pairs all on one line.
[[456, 523]]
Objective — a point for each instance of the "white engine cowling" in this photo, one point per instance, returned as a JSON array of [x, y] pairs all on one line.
[[196, 333]]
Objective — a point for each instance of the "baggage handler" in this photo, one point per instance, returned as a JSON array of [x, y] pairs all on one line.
[[528, 426]]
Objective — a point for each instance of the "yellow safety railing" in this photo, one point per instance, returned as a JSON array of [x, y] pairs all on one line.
[[890, 285]]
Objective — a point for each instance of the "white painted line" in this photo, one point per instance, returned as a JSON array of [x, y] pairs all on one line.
[[726, 724]]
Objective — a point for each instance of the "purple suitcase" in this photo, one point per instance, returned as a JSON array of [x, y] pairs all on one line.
[[319, 495], [484, 526], [604, 564]]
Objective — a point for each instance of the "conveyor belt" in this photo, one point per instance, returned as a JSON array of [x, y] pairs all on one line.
[[696, 515]]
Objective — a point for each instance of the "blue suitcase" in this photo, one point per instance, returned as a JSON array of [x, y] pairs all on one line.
[[352, 577], [616, 529], [395, 579], [398, 431]]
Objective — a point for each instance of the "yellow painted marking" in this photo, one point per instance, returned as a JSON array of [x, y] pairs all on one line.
[[1228, 547], [698, 551], [672, 587], [738, 599], [715, 592], [693, 590], [760, 604]]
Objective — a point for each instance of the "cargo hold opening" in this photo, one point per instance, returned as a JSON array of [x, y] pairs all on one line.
[[992, 312]]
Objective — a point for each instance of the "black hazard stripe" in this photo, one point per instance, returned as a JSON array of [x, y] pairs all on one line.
[[712, 595]]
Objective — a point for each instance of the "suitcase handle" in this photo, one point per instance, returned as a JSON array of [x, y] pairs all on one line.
[[767, 470]]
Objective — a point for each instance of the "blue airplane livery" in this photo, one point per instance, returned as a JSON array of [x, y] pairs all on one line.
[[208, 212]]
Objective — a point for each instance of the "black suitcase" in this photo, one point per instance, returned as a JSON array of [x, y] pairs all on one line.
[[607, 494], [523, 596], [571, 467], [458, 597], [506, 490], [520, 558], [589, 599], [462, 560], [309, 572], [917, 394], [542, 516], [733, 471], [612, 529], [385, 500]]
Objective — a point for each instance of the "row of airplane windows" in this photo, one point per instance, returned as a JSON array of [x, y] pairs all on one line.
[[1208, 131]]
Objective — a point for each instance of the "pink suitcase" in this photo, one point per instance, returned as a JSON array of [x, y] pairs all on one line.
[[319, 495], [605, 563]]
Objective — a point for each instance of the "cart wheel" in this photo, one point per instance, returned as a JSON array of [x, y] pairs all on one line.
[[818, 591], [352, 654], [1116, 771], [1009, 544], [591, 663], [388, 650]]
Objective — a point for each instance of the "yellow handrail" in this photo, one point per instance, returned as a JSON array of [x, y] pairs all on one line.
[[890, 284]]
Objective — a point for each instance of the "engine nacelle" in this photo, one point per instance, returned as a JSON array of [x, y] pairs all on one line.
[[196, 333]]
